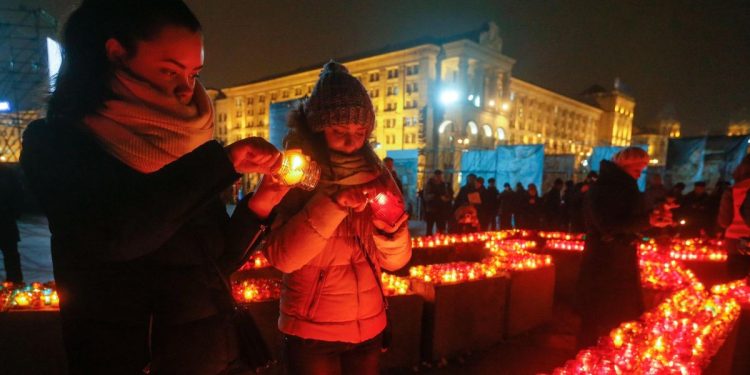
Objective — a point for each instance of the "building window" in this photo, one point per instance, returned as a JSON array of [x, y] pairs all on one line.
[[285, 94], [238, 114], [262, 99], [374, 93], [412, 70], [297, 91], [250, 101], [273, 97], [250, 111], [374, 77], [238, 101], [391, 90], [393, 73], [390, 107], [262, 111], [309, 89], [412, 88]]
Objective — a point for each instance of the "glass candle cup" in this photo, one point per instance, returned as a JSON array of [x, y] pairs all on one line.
[[297, 170]]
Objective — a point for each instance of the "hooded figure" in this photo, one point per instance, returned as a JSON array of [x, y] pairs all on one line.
[[609, 289], [329, 242]]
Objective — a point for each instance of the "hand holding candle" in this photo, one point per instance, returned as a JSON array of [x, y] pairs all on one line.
[[297, 170], [386, 202]]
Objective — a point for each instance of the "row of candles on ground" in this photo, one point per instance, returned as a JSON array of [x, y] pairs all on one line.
[[34, 296], [678, 337]]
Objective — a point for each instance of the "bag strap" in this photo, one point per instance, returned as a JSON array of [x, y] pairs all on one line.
[[374, 271], [224, 280]]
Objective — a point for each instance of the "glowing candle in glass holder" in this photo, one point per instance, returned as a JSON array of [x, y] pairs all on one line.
[[297, 170], [385, 199]]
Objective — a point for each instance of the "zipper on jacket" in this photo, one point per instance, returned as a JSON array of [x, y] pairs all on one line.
[[315, 293]]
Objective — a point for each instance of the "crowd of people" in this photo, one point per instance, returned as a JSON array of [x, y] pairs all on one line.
[[478, 207]]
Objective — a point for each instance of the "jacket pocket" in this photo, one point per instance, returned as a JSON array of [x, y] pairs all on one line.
[[315, 295]]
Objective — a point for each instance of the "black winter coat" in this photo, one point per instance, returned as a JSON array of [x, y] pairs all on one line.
[[609, 285], [11, 197], [101, 210]]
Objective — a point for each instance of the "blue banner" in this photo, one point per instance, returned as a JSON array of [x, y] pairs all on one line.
[[405, 162], [685, 160], [479, 162], [509, 164], [278, 115], [731, 149], [522, 164]]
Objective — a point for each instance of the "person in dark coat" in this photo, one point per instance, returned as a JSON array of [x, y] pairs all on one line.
[[126, 171], [609, 289], [530, 210], [553, 206], [462, 198], [10, 210], [568, 196], [507, 207], [490, 205], [696, 211], [437, 196]]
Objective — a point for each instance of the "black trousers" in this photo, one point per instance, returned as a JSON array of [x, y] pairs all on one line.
[[120, 318], [432, 219], [12, 262], [313, 357]]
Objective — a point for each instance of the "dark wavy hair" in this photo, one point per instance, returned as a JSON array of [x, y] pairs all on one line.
[[83, 82]]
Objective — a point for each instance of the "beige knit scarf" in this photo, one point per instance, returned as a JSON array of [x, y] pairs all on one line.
[[148, 129]]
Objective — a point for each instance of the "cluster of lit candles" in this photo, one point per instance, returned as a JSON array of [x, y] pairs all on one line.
[[698, 250], [678, 337], [739, 290], [256, 290], [35, 296], [452, 273], [512, 256], [659, 271], [561, 236], [565, 245], [443, 240], [395, 285]]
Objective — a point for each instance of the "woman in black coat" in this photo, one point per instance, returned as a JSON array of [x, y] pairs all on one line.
[[125, 170], [609, 290]]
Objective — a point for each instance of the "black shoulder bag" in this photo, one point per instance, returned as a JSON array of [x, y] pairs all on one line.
[[253, 350]]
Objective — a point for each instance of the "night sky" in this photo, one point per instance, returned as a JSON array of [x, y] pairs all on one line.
[[692, 56]]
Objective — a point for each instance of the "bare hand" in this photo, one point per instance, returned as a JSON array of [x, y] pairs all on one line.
[[269, 193], [351, 197], [387, 228], [254, 155]]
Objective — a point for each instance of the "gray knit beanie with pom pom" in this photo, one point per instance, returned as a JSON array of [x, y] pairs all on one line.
[[338, 99]]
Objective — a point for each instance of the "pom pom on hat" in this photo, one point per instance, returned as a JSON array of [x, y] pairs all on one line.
[[338, 99]]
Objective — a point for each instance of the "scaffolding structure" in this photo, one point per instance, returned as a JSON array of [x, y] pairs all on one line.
[[24, 73]]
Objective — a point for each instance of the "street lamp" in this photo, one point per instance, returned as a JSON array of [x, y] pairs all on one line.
[[448, 96]]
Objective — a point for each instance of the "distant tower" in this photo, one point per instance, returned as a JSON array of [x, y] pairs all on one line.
[[667, 122], [616, 123]]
